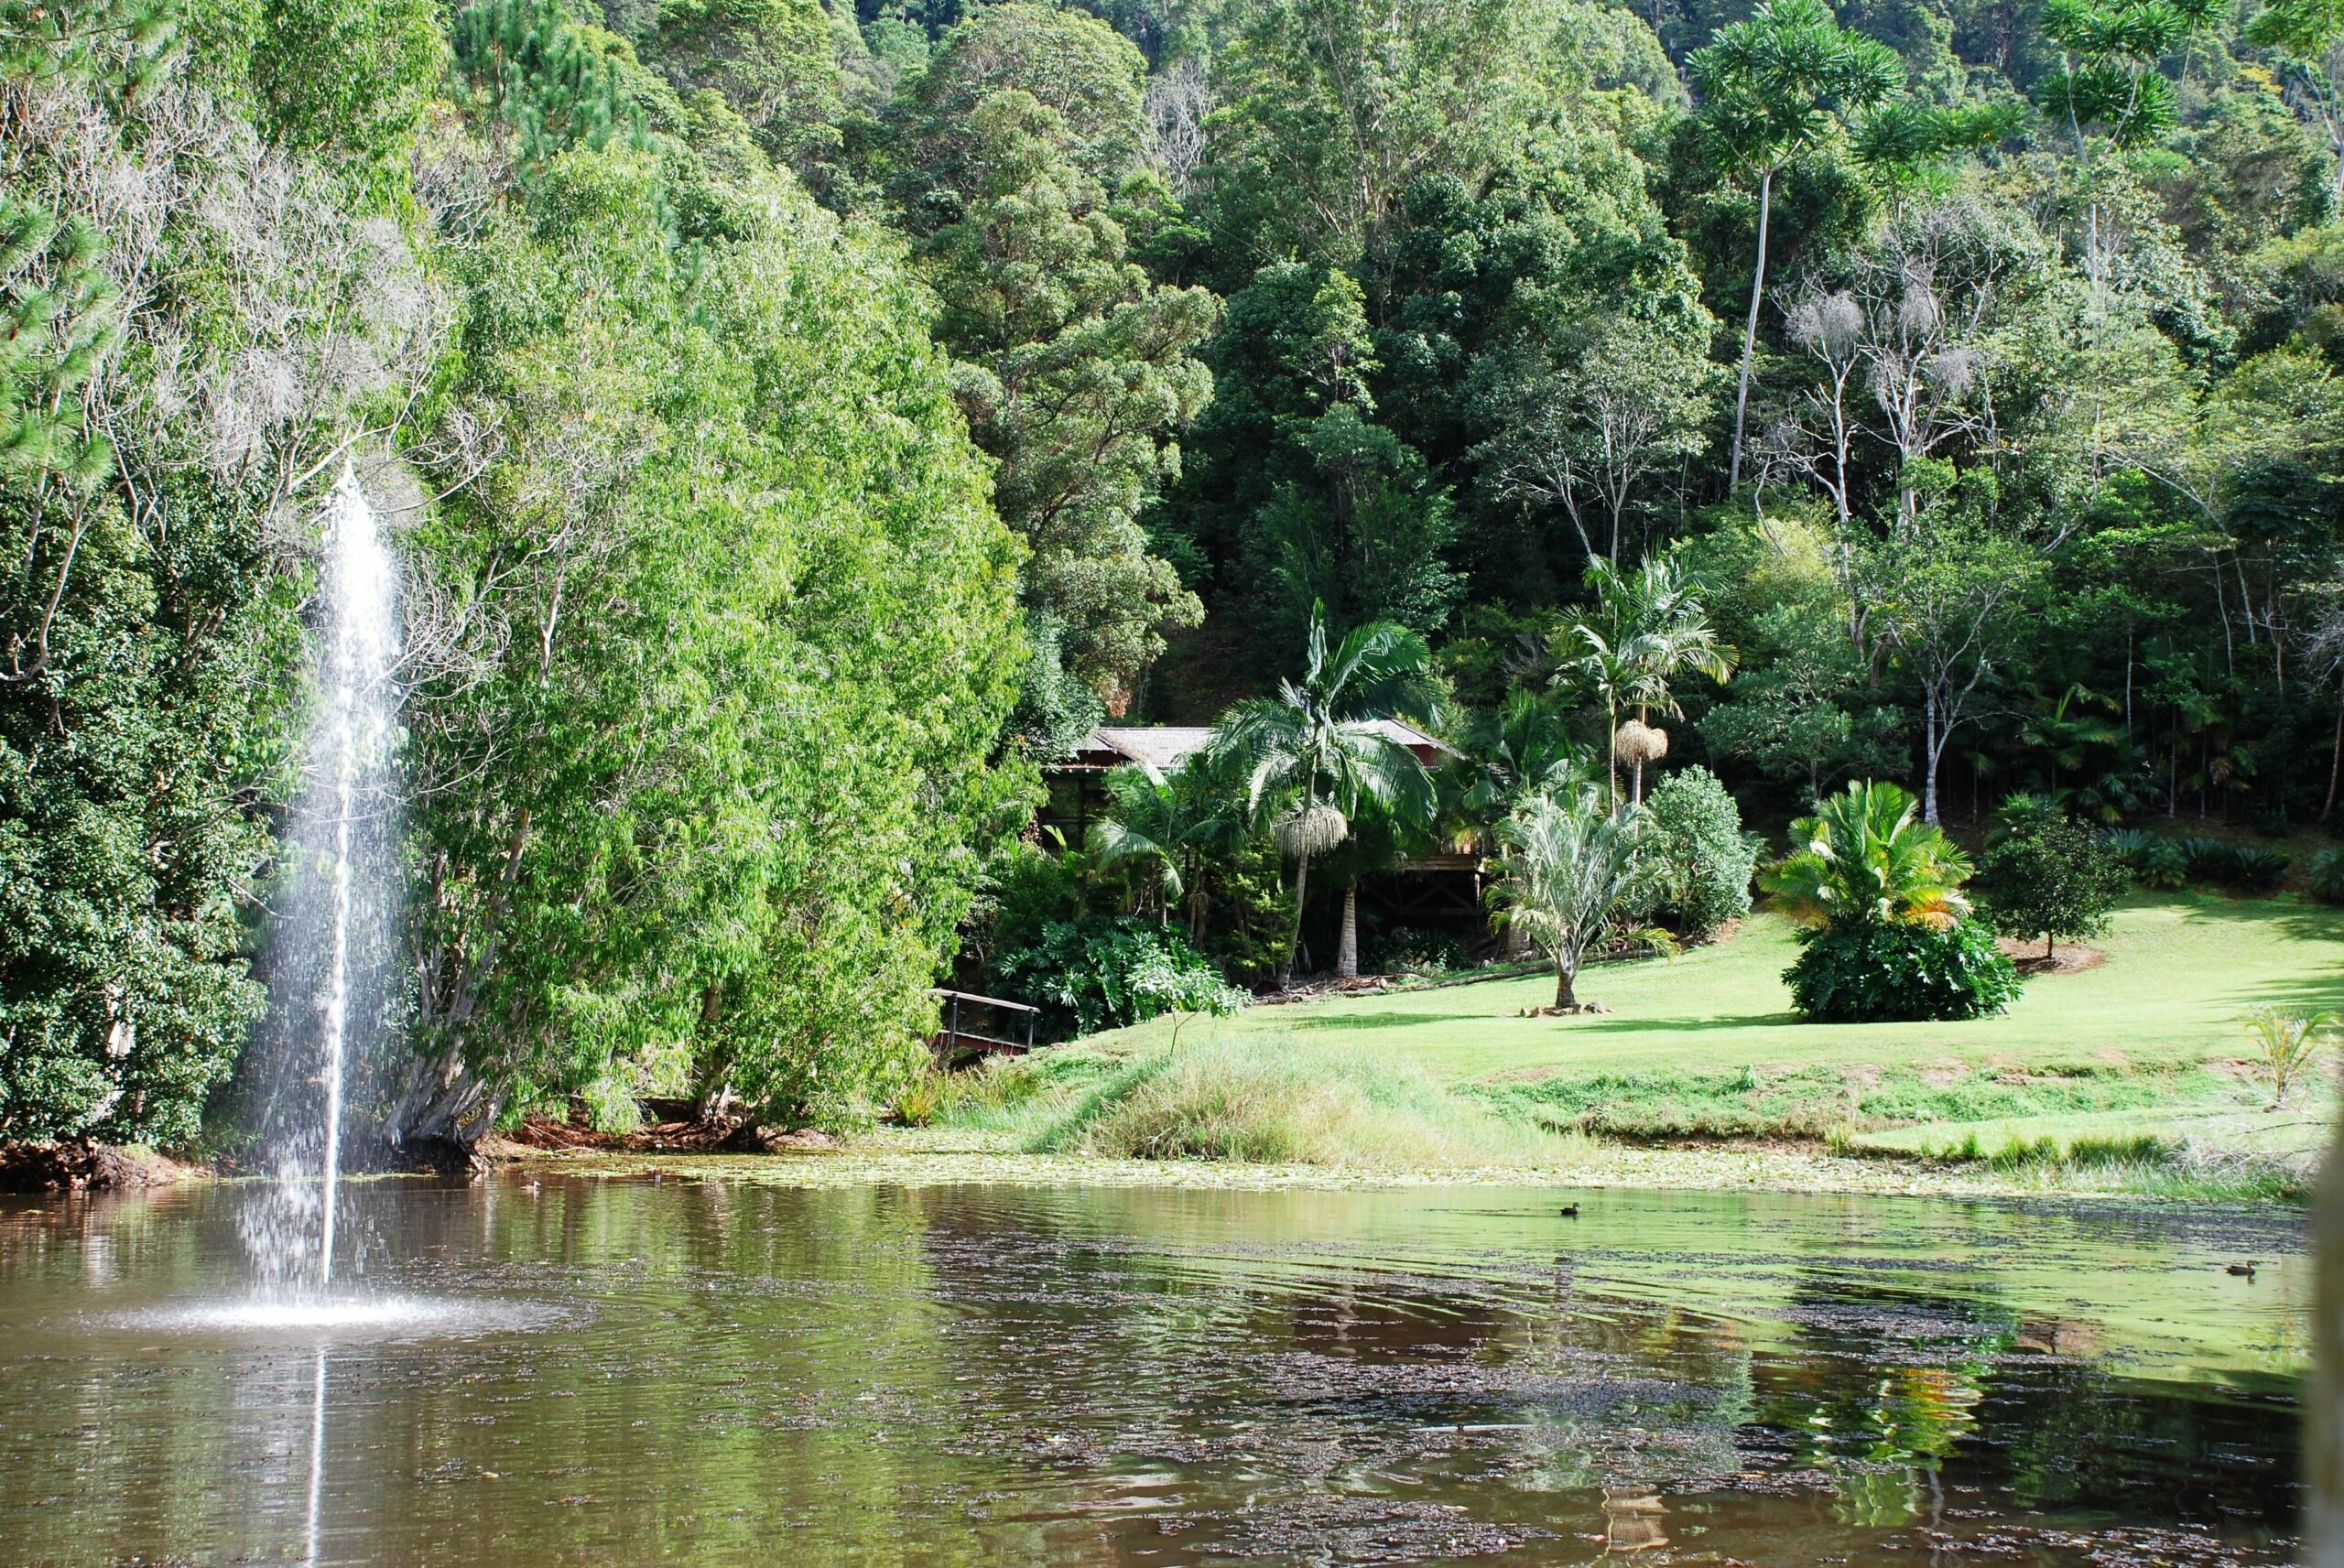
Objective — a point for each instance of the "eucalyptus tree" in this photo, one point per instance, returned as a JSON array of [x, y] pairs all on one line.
[[1646, 628], [1570, 876], [1775, 88], [1318, 752]]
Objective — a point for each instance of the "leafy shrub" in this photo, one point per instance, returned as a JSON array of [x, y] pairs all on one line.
[[1106, 971], [1862, 972], [1403, 949], [2326, 877], [2243, 868], [2050, 878], [2155, 861], [1706, 859]]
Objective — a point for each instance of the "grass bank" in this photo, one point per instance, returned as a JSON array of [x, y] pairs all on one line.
[[2143, 1054], [1233, 1098]]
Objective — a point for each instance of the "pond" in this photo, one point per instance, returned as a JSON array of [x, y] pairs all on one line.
[[622, 1371]]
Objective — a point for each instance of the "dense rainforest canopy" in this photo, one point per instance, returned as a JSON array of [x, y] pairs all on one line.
[[801, 422]]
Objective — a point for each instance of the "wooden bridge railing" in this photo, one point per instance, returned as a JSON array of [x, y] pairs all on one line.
[[955, 1036]]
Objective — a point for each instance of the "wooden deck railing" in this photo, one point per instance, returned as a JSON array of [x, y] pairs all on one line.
[[954, 1036]]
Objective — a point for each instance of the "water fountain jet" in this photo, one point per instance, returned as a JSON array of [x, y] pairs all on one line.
[[331, 992]]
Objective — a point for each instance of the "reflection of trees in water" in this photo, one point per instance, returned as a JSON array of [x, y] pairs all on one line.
[[1897, 1394], [1883, 1383]]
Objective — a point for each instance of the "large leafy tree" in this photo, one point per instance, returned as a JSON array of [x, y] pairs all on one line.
[[1311, 495], [1081, 377], [150, 643], [728, 637], [1773, 90], [1318, 755]]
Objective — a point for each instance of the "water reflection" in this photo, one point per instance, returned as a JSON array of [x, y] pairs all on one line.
[[1004, 1374]]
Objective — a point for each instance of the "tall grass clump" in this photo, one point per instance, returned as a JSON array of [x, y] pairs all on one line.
[[1282, 1103], [2143, 1164]]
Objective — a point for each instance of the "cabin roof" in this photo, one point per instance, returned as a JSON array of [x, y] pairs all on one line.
[[1165, 746]]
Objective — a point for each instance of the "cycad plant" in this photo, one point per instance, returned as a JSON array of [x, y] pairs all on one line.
[[1316, 754], [1571, 876], [1866, 856]]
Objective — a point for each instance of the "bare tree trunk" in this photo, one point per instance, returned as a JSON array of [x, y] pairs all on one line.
[[1929, 756], [1293, 938], [1750, 329], [1347, 950], [1565, 975], [2336, 763]]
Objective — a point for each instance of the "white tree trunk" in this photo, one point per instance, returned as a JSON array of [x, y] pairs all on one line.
[[1347, 950]]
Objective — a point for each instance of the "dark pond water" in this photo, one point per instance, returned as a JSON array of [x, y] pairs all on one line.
[[627, 1371]]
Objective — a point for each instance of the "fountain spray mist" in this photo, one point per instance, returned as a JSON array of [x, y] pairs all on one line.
[[332, 953]]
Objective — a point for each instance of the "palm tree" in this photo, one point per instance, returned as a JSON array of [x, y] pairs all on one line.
[[1570, 872], [1865, 856], [1166, 827], [1648, 627], [1773, 88], [1525, 744], [1315, 754]]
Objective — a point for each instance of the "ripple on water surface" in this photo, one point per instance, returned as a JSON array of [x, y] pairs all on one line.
[[343, 1319], [714, 1372]]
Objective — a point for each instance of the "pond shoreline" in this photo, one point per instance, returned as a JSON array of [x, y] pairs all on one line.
[[895, 1157]]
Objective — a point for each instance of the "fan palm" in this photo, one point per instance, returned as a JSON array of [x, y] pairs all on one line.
[[1315, 754], [1865, 856], [1648, 627], [1570, 875]]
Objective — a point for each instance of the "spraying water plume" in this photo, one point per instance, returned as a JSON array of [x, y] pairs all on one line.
[[332, 993]]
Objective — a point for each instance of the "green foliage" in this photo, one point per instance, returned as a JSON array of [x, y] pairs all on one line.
[[2048, 878], [1879, 972], [1865, 859], [1081, 373], [1106, 971], [1705, 860], [1401, 949], [2155, 860], [350, 79], [1287, 1104], [2324, 877], [1571, 875], [58, 325], [557, 83], [721, 765], [2288, 1046], [2243, 868]]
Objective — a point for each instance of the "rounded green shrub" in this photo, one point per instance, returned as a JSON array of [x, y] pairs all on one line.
[[2326, 877], [1706, 859], [1891, 971]]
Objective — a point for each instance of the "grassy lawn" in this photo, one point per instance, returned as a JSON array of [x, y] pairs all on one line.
[[2147, 1044]]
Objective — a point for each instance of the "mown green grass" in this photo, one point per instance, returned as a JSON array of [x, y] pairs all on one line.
[[1705, 1045]]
